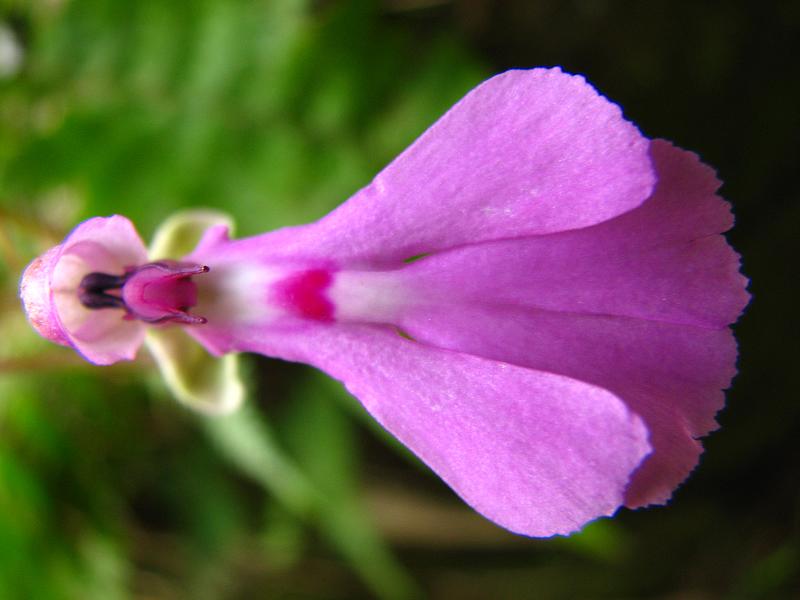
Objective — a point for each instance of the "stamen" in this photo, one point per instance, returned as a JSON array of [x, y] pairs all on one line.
[[94, 287]]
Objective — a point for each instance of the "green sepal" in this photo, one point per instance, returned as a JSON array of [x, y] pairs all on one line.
[[206, 383], [203, 382], [179, 234]]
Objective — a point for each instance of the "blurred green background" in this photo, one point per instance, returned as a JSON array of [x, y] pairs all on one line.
[[276, 111]]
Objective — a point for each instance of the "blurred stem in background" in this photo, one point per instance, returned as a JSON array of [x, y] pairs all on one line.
[[323, 496]]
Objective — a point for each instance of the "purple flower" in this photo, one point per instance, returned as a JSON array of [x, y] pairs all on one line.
[[533, 297]]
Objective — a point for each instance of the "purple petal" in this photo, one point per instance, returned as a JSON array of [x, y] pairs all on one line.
[[538, 453], [670, 375], [661, 262], [526, 152], [638, 305], [49, 290]]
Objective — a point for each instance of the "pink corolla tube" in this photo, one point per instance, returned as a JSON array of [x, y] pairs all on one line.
[[533, 297]]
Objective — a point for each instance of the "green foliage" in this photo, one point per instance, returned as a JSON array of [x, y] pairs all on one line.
[[273, 112]]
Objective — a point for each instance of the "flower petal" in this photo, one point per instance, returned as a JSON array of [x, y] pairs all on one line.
[[661, 261], [638, 305], [49, 290], [672, 376], [539, 454], [526, 152]]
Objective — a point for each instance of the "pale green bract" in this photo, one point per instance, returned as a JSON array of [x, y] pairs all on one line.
[[199, 380]]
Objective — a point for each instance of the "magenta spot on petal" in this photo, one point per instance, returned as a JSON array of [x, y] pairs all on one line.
[[303, 294]]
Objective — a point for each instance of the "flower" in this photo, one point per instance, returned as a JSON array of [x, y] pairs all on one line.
[[533, 297]]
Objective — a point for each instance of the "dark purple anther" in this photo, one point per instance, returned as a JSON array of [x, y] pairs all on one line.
[[93, 291]]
